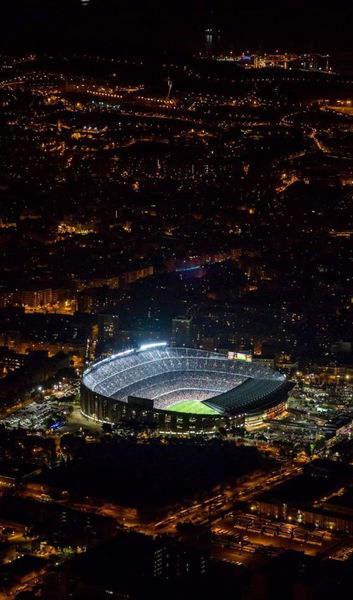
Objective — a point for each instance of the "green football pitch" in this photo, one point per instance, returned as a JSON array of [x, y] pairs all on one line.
[[192, 406]]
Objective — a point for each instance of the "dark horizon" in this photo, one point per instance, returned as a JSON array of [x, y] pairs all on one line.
[[155, 26]]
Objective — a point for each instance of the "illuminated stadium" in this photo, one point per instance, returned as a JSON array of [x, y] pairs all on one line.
[[181, 389]]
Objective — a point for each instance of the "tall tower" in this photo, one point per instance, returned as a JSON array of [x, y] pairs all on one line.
[[170, 84], [208, 41], [327, 66], [108, 326], [181, 332]]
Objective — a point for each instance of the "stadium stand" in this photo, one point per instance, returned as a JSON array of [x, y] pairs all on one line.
[[170, 375]]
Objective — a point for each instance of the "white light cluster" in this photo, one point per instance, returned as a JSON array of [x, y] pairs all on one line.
[[154, 345], [123, 353]]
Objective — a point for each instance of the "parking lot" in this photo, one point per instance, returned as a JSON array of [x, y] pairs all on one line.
[[33, 416], [250, 533]]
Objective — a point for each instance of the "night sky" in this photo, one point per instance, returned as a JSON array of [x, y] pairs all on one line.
[[176, 26]]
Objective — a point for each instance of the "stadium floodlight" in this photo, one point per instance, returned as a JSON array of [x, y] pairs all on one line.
[[154, 345], [123, 353]]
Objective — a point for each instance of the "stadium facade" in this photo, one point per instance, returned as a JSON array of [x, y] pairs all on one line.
[[181, 389]]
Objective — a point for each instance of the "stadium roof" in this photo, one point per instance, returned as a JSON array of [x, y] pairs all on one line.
[[250, 395]]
